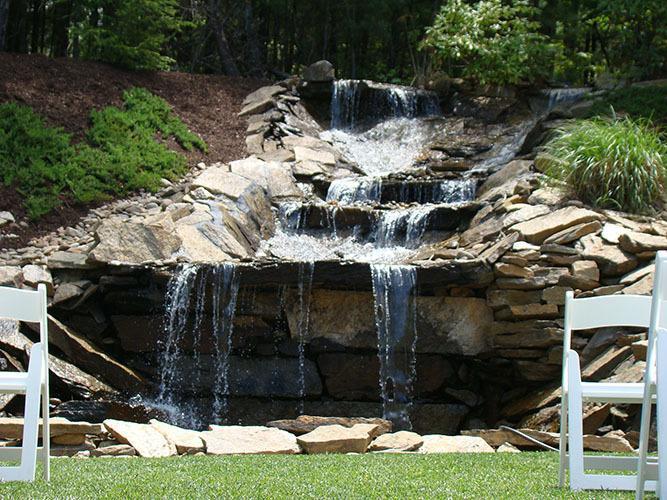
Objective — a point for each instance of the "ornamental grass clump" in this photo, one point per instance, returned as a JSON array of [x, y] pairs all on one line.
[[618, 164]]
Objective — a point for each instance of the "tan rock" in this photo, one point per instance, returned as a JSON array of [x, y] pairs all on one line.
[[586, 269], [133, 243], [537, 230], [612, 232], [639, 349], [604, 364], [508, 448], [524, 213], [307, 423], [244, 440], [219, 180], [640, 242], [532, 311], [574, 233], [69, 439], [11, 276], [399, 441], [612, 260], [142, 437], [34, 275], [643, 287], [434, 443], [610, 443], [114, 450], [12, 427], [335, 439], [505, 270], [185, 440], [637, 274], [555, 295], [318, 156]]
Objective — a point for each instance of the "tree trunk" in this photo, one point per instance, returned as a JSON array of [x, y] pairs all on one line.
[[4, 16], [217, 27], [62, 11], [256, 67]]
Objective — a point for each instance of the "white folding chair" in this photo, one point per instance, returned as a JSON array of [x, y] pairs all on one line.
[[29, 306], [584, 314], [655, 371]]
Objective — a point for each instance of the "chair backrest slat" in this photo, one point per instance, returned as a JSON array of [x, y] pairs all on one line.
[[610, 310], [22, 305]]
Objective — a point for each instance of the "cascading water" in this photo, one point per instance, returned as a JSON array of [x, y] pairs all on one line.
[[404, 225], [225, 293], [305, 279], [394, 290], [353, 101], [188, 287]]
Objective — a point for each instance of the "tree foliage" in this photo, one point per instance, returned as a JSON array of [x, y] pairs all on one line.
[[490, 42], [569, 41]]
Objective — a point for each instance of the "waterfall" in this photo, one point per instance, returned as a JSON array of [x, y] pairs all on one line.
[[394, 289], [344, 104], [186, 294], [350, 191], [564, 95], [225, 293], [177, 309], [305, 279], [352, 100], [402, 226]]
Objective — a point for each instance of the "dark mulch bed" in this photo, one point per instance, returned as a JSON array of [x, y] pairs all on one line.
[[64, 91]]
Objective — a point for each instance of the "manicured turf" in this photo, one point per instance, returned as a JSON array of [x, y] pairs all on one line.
[[525, 475]]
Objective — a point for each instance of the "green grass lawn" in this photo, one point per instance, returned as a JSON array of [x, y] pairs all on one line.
[[525, 475]]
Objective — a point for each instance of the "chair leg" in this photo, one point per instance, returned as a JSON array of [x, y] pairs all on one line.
[[31, 416], [575, 435], [661, 375], [562, 448], [645, 428], [46, 432]]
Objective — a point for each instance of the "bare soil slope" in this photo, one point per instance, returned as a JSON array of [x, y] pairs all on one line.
[[64, 91]]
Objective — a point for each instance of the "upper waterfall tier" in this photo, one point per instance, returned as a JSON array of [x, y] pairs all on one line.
[[361, 103]]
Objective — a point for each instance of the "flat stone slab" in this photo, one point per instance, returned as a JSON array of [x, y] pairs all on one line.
[[185, 440], [142, 437], [219, 180], [114, 450], [336, 439], [248, 440], [12, 427], [397, 441], [435, 443], [308, 423], [539, 229]]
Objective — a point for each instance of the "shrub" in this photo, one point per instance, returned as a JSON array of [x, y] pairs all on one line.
[[490, 42], [617, 164], [121, 154]]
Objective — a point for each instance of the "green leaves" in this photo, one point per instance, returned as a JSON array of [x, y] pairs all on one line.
[[121, 155], [619, 164], [132, 34], [490, 42]]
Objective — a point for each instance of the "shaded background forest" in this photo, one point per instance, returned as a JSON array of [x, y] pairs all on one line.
[[376, 39]]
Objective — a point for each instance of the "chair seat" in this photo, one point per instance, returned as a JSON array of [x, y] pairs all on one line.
[[613, 392], [13, 382]]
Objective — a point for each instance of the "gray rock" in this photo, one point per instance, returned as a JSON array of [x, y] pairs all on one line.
[[320, 71], [11, 276]]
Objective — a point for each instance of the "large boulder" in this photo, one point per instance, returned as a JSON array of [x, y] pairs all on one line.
[[320, 71], [184, 440], [435, 443], [337, 439], [144, 438], [134, 243], [397, 441], [219, 180], [240, 440], [448, 325]]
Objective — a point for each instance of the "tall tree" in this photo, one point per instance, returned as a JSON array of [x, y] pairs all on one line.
[[217, 26], [4, 18]]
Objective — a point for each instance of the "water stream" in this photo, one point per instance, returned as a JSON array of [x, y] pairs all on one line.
[[395, 321]]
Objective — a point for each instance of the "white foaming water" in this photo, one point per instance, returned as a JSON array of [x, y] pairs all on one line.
[[308, 247], [390, 146]]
